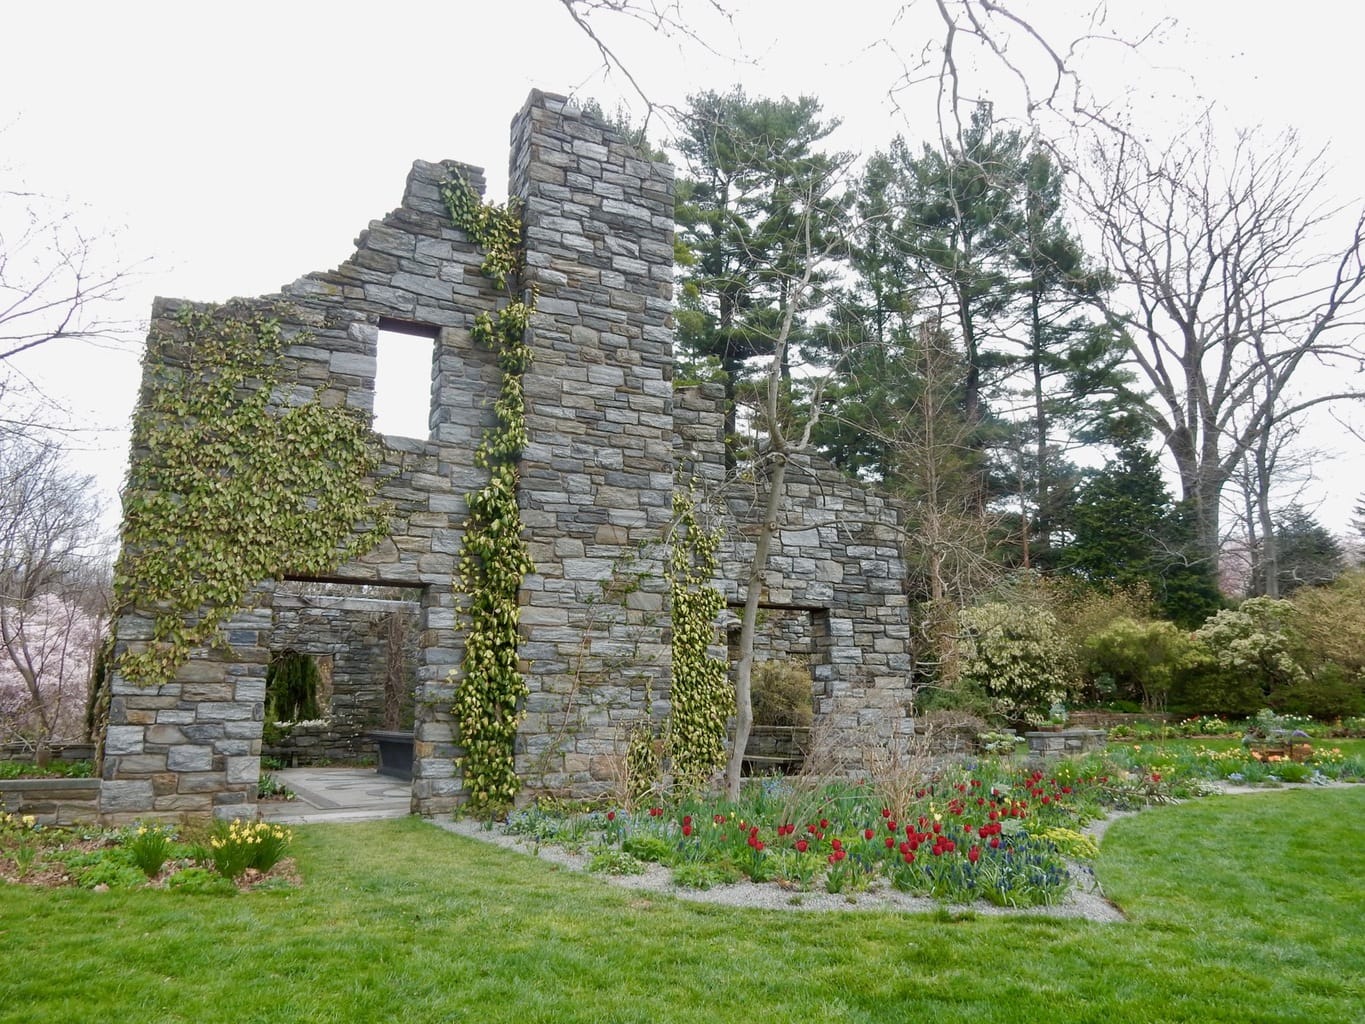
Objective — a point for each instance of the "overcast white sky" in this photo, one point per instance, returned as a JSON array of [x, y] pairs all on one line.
[[236, 147]]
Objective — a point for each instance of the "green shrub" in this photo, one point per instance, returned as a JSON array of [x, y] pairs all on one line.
[[1142, 658], [1018, 657], [1328, 692]]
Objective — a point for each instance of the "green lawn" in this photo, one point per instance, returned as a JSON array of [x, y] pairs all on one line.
[[1246, 909]]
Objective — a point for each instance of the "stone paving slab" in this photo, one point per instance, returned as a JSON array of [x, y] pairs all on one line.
[[337, 794]]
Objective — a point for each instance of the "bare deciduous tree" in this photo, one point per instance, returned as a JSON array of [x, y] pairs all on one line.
[[59, 284], [785, 431], [54, 283], [1228, 297]]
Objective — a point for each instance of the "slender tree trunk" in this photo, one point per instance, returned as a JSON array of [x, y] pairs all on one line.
[[1041, 498], [744, 667], [1270, 557]]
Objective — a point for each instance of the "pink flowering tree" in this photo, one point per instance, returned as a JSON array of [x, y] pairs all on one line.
[[51, 595]]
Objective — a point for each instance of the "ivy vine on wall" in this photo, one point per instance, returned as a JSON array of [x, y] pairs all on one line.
[[493, 557], [702, 697], [227, 489]]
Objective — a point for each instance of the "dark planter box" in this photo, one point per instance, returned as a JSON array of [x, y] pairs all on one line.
[[395, 753]]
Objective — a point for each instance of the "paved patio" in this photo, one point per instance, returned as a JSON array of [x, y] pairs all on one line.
[[337, 794]]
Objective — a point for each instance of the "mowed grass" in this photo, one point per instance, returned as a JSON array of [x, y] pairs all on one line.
[[1246, 909]]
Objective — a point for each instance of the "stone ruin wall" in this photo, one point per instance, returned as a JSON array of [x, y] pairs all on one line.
[[836, 558], [607, 434]]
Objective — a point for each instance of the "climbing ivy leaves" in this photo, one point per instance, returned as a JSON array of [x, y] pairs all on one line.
[[228, 488], [702, 696], [493, 557]]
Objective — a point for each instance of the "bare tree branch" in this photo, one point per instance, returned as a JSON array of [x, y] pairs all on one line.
[[1226, 297]]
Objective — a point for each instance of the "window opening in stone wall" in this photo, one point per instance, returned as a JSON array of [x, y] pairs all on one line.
[[402, 379], [782, 690]]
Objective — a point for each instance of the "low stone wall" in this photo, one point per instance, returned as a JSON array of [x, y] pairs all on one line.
[[1044, 746], [53, 801], [58, 751], [1109, 719]]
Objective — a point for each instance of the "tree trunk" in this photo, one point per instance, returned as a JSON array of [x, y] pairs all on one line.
[[744, 666]]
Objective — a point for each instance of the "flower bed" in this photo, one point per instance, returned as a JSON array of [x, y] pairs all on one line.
[[230, 856], [994, 831]]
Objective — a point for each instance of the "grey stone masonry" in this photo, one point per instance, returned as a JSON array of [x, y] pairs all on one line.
[[1048, 746], [193, 746], [836, 556], [597, 476], [606, 433]]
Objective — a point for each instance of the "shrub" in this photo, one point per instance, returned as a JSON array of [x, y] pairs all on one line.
[[1331, 621], [1018, 657], [1141, 657], [1249, 656], [1329, 692], [782, 694]]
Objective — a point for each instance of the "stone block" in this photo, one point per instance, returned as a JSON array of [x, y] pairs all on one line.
[[165, 735], [243, 769], [124, 739], [189, 758], [130, 795]]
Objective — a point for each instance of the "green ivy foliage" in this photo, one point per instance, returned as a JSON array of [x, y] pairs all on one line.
[[702, 698], [230, 489], [494, 229], [643, 767], [493, 557]]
